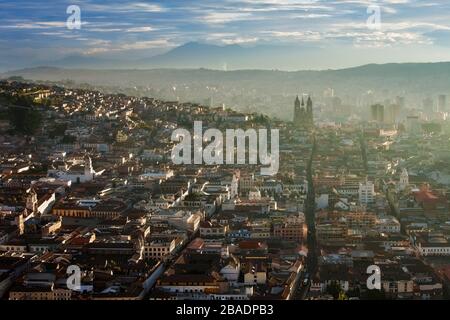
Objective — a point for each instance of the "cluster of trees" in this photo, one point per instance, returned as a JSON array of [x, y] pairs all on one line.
[[21, 100], [22, 114], [68, 139], [262, 120], [334, 289], [432, 127], [24, 120], [58, 130]]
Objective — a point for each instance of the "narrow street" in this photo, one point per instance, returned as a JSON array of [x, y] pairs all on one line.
[[310, 205]]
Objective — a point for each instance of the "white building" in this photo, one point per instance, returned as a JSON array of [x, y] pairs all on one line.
[[76, 173], [246, 183], [231, 270], [159, 248], [322, 201], [433, 248], [184, 220], [388, 225], [256, 274], [366, 193], [156, 175], [254, 194]]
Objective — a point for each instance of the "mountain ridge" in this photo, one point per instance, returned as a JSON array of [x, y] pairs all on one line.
[[227, 57], [364, 67]]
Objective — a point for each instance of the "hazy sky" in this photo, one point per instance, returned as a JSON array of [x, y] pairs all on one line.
[[35, 31]]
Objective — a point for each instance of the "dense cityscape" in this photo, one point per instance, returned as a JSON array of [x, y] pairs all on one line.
[[207, 159], [92, 207]]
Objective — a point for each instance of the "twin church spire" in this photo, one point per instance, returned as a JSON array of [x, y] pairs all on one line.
[[303, 116]]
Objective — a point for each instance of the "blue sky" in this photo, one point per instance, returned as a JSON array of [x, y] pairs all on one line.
[[32, 32]]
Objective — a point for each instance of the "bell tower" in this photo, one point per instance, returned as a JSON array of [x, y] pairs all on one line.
[[303, 115]]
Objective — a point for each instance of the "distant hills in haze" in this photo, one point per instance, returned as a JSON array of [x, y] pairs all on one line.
[[265, 90], [230, 57], [426, 78], [200, 55], [194, 55]]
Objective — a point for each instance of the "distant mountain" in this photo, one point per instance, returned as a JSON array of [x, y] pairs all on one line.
[[229, 57], [199, 55], [374, 76], [195, 55], [80, 61]]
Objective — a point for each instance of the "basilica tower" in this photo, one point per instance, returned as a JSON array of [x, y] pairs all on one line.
[[303, 116]]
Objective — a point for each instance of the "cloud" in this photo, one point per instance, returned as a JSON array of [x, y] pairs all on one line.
[[128, 26], [124, 7], [226, 17], [295, 35], [101, 46], [240, 40], [140, 29], [36, 25]]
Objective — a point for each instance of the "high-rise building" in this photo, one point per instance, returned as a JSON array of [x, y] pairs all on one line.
[[366, 193], [442, 103], [377, 113], [400, 101], [328, 93], [428, 104], [413, 126], [392, 113]]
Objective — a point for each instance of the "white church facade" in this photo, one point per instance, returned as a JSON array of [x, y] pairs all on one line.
[[77, 172]]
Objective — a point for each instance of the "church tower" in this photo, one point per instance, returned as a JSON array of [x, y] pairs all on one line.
[[404, 180], [88, 169], [309, 112], [297, 103], [303, 116], [32, 200], [297, 110]]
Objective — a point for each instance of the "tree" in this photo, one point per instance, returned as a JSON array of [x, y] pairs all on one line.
[[58, 130], [25, 120], [262, 120], [68, 139], [354, 292], [376, 294], [432, 128], [342, 296], [334, 289]]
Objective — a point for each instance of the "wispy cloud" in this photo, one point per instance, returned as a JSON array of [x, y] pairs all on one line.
[[226, 17], [120, 25], [123, 7]]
